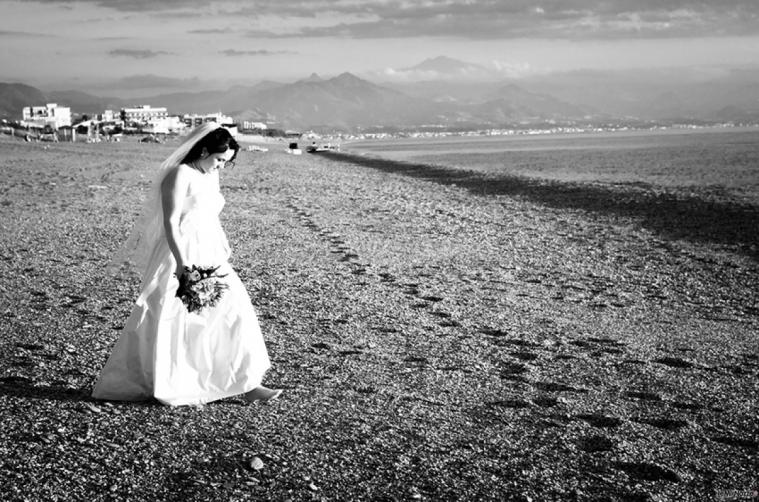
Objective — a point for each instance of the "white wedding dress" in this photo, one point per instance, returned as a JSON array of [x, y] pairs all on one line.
[[182, 358]]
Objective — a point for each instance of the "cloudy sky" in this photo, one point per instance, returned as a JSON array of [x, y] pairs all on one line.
[[176, 43]]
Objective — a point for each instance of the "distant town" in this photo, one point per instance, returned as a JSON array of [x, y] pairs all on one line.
[[51, 122], [57, 123]]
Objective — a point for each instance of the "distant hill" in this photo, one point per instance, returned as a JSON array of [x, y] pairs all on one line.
[[492, 102], [14, 97], [312, 78], [342, 101], [349, 102], [528, 103], [83, 103], [655, 94], [232, 101]]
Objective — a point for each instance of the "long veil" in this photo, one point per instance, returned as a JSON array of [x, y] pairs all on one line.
[[148, 227]]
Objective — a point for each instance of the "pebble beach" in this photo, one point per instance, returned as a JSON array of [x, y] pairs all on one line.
[[439, 334]]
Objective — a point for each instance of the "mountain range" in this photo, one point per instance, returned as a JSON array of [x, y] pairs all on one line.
[[451, 94]]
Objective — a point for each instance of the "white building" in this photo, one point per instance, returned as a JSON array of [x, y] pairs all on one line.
[[166, 125], [195, 120], [51, 114], [107, 116], [248, 125], [143, 113]]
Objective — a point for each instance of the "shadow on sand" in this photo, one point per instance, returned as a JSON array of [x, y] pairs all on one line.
[[24, 387], [669, 215]]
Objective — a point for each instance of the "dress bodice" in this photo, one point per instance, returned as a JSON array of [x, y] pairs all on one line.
[[202, 236], [206, 201]]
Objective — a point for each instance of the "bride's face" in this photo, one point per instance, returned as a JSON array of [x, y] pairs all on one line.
[[210, 162]]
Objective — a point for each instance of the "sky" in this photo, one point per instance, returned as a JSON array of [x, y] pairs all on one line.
[[148, 45]]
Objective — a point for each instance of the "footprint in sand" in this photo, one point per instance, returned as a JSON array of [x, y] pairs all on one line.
[[524, 356], [497, 333], [633, 361], [22, 361], [449, 324], [412, 289], [602, 421], [432, 298], [30, 346], [737, 369], [687, 406], [667, 424], [513, 371], [647, 471], [386, 277], [545, 401], [592, 444], [565, 357], [747, 444], [510, 370], [581, 343], [645, 396], [674, 362]]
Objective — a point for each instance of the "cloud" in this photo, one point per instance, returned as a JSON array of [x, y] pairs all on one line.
[[23, 34], [471, 19], [496, 19], [209, 31], [494, 22], [134, 5], [445, 68], [257, 52], [137, 53]]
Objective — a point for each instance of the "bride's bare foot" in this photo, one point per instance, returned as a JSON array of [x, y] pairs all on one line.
[[262, 394]]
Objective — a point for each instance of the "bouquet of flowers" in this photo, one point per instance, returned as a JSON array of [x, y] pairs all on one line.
[[200, 287]]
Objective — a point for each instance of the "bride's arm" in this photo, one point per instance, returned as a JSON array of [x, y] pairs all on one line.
[[173, 191]]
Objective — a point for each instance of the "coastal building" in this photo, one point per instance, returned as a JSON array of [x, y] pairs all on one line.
[[165, 125], [48, 115], [248, 125], [107, 116], [194, 120], [143, 113]]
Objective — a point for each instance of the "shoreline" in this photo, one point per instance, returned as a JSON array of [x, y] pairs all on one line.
[[558, 132]]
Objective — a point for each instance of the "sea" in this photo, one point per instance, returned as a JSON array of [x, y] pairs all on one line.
[[724, 159]]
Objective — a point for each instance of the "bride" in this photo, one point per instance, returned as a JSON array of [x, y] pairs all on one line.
[[164, 351]]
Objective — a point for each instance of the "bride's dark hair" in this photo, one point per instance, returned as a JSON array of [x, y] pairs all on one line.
[[217, 141]]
